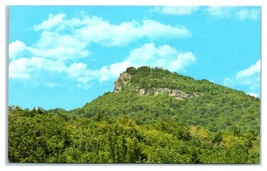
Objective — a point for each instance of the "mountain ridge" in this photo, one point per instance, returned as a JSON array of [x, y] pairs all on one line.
[[143, 121], [137, 90], [125, 79]]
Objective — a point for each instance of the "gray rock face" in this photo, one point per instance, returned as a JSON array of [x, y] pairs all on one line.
[[177, 94], [125, 79], [161, 91]]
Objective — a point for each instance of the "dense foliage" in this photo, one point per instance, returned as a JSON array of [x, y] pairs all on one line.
[[219, 126]]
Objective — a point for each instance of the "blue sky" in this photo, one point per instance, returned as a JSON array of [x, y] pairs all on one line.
[[66, 56]]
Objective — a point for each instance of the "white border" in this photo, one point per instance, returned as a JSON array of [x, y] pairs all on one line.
[[3, 46]]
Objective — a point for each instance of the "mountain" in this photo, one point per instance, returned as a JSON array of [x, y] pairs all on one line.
[[152, 116], [146, 94]]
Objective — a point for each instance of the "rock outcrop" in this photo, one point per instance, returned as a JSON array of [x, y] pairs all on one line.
[[179, 95], [125, 80]]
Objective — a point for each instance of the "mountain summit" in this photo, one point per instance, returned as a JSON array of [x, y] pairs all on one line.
[[125, 80], [152, 116], [145, 94], [156, 81]]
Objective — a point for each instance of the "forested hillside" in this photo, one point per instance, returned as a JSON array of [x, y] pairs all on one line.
[[152, 116]]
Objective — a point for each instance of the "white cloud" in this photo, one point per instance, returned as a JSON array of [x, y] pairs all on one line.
[[163, 56], [64, 41], [226, 12], [18, 69], [61, 47], [240, 13], [218, 10], [82, 74], [23, 68], [96, 30], [29, 68], [249, 14], [16, 48], [102, 32], [182, 61], [68, 39], [177, 10], [248, 79], [252, 70], [112, 71], [76, 69], [51, 45], [236, 12], [53, 21]]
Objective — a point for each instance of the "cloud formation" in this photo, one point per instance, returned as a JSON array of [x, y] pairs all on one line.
[[252, 70], [113, 71], [163, 56], [63, 42], [52, 21], [16, 49], [116, 35], [240, 13], [248, 78], [24, 68], [60, 47], [177, 10], [96, 30], [218, 10], [148, 54], [248, 14]]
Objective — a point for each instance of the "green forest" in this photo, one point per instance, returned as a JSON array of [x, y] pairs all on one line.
[[143, 121]]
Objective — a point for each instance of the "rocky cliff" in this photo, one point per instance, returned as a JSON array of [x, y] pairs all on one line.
[[125, 80]]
